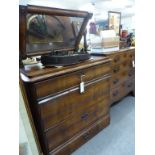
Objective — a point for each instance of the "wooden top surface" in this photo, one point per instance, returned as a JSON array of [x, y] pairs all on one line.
[[34, 73], [121, 50]]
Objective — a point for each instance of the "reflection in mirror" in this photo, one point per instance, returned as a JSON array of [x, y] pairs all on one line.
[[51, 32], [114, 21]]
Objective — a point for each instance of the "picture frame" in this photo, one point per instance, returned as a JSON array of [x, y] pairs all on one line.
[[114, 21]]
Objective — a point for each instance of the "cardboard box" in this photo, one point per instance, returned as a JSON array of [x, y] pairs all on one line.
[[106, 39], [110, 42]]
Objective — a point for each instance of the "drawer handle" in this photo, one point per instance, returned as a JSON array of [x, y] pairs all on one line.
[[130, 74], [115, 93], [84, 116], [82, 76], [115, 81], [125, 63], [116, 69], [125, 55], [130, 64], [129, 85], [86, 136], [130, 55], [116, 59]]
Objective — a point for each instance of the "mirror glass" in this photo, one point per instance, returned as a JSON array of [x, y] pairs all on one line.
[[45, 32], [114, 21]]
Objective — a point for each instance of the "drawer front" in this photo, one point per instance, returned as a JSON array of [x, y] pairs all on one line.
[[117, 93], [120, 77], [122, 90], [116, 59], [58, 109], [82, 137], [131, 73], [131, 55], [129, 85], [61, 83], [117, 79], [76, 123], [124, 66], [125, 55]]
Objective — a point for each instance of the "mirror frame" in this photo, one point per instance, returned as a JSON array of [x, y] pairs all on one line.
[[115, 13], [24, 10]]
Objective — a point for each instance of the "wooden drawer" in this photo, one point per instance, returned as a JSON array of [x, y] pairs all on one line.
[[75, 123], [131, 55], [116, 59], [82, 137], [122, 90], [120, 77], [125, 55], [117, 79], [61, 83], [124, 66], [117, 93], [131, 73], [60, 107], [129, 85]]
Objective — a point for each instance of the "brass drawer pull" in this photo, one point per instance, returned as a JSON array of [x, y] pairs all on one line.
[[125, 63], [125, 55], [116, 59], [82, 76], [129, 85], [115, 93], [84, 116], [130, 64], [130, 74], [131, 56], [116, 69], [115, 81]]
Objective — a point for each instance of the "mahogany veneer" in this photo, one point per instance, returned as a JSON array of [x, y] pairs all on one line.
[[65, 118]]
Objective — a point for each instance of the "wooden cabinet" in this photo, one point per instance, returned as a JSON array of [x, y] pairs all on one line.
[[123, 73], [69, 104], [65, 118], [67, 81]]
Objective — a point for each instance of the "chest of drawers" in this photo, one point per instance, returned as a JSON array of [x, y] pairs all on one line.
[[123, 73], [65, 118]]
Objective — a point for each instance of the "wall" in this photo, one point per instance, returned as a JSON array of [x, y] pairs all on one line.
[[128, 22], [27, 141], [24, 147]]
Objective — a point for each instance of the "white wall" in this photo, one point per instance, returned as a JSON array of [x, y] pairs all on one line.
[[24, 147], [27, 140], [128, 22]]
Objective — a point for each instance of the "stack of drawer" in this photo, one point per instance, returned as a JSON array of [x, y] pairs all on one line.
[[66, 118], [123, 74]]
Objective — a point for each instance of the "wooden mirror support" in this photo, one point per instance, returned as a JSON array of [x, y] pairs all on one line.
[[46, 11]]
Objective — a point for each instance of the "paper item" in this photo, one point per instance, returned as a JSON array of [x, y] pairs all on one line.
[[82, 87], [107, 34], [103, 50]]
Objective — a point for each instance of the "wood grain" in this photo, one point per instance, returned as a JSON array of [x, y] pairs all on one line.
[[123, 73]]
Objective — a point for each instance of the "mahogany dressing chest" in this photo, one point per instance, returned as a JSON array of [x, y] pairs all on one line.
[[69, 103], [123, 73], [69, 92]]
